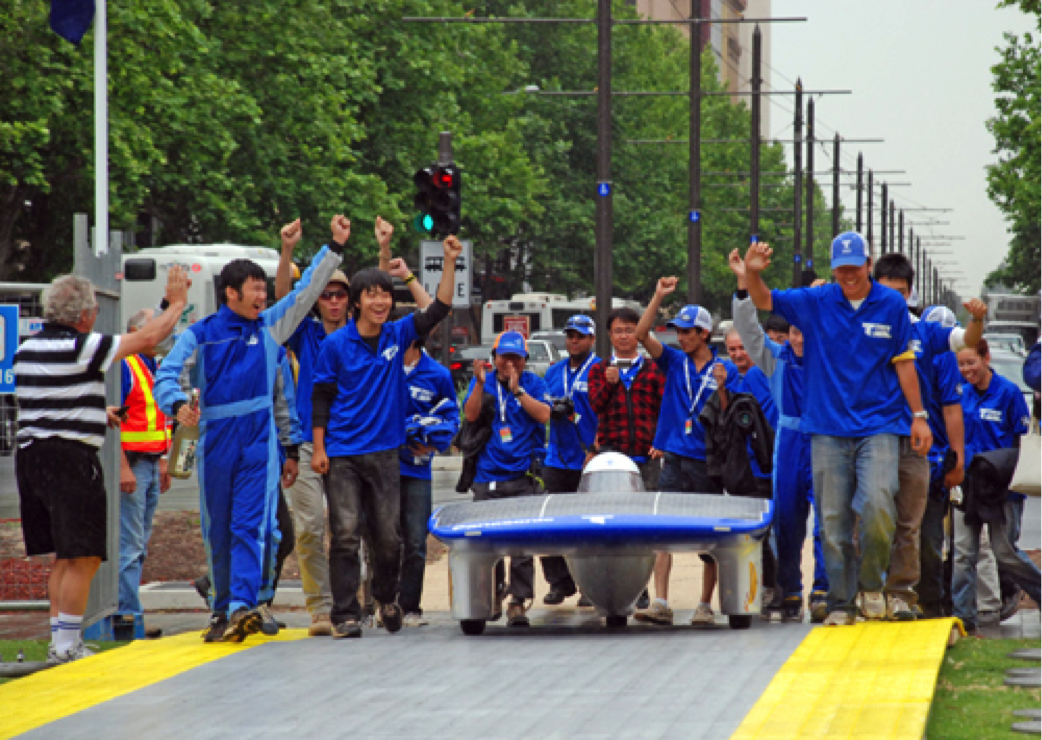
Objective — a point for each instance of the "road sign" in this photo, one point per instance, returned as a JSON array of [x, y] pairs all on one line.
[[694, 216], [520, 324], [604, 189], [432, 255], [8, 346]]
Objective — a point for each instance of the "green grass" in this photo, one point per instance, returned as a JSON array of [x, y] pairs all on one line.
[[971, 700], [36, 650]]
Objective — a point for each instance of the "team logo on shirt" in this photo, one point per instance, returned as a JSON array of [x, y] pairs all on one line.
[[958, 389], [877, 331], [581, 386], [916, 346], [390, 352], [421, 394], [991, 415]]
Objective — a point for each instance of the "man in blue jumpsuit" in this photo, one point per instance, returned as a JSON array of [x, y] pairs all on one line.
[[793, 477], [232, 358]]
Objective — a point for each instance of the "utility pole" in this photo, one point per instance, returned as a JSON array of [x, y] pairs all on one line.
[[890, 225], [835, 187], [869, 213], [860, 185], [694, 141], [809, 250], [882, 221], [919, 267], [754, 151], [901, 232], [603, 271], [797, 217]]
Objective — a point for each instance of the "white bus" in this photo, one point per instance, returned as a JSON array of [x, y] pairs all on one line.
[[534, 312]]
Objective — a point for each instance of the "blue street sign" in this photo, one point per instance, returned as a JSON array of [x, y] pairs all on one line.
[[8, 346], [810, 263], [603, 189], [754, 239], [796, 258], [694, 216]]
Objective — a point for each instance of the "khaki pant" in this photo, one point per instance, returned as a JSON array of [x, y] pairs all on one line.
[[307, 499], [913, 473]]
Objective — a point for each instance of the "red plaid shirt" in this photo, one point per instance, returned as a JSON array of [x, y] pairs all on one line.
[[626, 419]]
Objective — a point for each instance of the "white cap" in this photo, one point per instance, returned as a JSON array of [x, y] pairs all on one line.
[[941, 315], [611, 462]]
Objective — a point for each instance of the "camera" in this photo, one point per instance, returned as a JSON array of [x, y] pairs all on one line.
[[562, 409]]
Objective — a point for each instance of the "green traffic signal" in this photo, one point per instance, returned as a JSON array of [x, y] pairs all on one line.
[[423, 223]]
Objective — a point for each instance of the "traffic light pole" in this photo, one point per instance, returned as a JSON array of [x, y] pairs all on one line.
[[694, 170], [808, 252], [797, 169], [754, 137]]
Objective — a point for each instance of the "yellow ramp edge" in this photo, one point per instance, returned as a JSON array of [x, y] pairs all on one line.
[[870, 680], [58, 692]]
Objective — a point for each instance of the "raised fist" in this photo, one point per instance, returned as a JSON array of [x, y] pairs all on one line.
[[384, 231], [341, 229], [666, 285], [290, 234], [758, 258]]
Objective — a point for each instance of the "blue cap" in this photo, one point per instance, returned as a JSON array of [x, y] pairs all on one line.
[[691, 317], [581, 324], [511, 343], [849, 250]]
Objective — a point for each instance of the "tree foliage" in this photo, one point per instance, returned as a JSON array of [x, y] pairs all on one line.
[[229, 119]]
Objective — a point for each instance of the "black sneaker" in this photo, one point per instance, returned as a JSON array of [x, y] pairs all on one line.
[[268, 626], [792, 609], [556, 596], [243, 623], [391, 616], [347, 628], [644, 601], [214, 632], [1010, 605], [202, 587]]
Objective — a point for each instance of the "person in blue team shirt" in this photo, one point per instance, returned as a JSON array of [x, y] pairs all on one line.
[[947, 467], [358, 424], [231, 357], [680, 436], [860, 380], [573, 432], [931, 340], [996, 415], [793, 478], [518, 436], [431, 421], [1033, 368]]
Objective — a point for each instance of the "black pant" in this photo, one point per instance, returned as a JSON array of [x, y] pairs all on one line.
[[363, 488], [555, 569], [522, 569], [286, 544]]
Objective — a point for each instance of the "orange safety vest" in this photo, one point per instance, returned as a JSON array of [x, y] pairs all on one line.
[[145, 429]]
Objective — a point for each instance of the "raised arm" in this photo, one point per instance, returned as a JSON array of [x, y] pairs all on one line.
[[645, 336], [159, 328], [758, 259], [400, 270], [746, 322], [290, 235], [285, 316], [971, 338], [384, 232]]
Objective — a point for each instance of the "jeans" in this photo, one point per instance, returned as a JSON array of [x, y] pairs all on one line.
[[307, 498], [135, 529], [415, 513], [855, 476], [522, 568], [363, 488], [910, 504], [555, 569], [685, 475], [1011, 560]]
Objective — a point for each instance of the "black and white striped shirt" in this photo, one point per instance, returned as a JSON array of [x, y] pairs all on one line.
[[60, 385]]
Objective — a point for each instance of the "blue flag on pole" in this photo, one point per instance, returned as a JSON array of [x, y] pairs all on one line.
[[71, 19]]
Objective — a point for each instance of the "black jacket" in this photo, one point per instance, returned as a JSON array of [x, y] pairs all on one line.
[[987, 485], [727, 432], [471, 441]]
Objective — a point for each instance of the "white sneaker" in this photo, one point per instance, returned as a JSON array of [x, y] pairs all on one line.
[[414, 620], [703, 616], [839, 619], [873, 605], [657, 613], [77, 652]]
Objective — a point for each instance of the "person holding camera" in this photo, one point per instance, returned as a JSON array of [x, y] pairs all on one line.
[[518, 434], [573, 431]]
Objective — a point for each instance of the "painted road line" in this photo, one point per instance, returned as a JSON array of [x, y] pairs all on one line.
[[873, 679], [59, 692]]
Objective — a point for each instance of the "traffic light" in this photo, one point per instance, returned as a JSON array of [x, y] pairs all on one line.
[[438, 200]]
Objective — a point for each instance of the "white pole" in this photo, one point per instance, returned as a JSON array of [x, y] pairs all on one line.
[[101, 132]]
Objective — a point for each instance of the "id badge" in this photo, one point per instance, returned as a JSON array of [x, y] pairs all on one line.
[[688, 426], [505, 436]]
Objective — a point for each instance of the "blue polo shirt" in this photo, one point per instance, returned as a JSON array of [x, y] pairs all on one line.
[[368, 414], [516, 437], [851, 386], [306, 343], [994, 418], [946, 391], [564, 450], [930, 341], [427, 386], [687, 390]]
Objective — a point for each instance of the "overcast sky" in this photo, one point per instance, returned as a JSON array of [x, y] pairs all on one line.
[[920, 72]]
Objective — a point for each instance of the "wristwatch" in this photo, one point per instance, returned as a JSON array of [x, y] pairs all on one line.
[[519, 392], [921, 415]]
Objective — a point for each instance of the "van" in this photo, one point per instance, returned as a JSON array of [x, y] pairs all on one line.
[[145, 272]]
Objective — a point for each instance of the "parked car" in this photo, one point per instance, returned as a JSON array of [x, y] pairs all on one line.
[[541, 355], [1008, 342], [462, 363], [556, 338]]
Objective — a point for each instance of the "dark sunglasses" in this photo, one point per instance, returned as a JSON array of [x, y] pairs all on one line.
[[331, 295]]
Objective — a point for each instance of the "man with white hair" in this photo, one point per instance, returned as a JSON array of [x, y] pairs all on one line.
[[60, 375]]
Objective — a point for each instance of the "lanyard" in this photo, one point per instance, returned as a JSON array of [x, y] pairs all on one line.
[[708, 370], [567, 371], [502, 401]]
